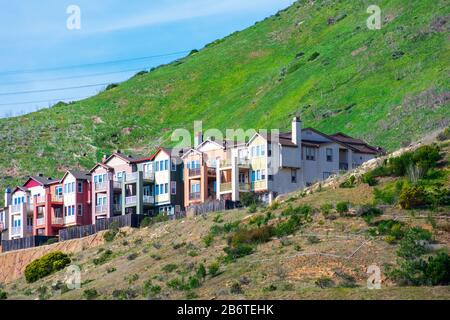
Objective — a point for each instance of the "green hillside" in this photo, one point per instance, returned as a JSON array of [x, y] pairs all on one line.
[[388, 86]]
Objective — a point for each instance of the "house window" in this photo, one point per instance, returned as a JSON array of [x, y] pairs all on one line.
[[80, 210], [270, 177], [263, 174], [173, 165], [173, 188], [329, 155], [58, 191], [294, 175], [310, 153], [80, 186]]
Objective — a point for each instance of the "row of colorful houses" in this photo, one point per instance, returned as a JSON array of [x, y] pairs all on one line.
[[172, 181]]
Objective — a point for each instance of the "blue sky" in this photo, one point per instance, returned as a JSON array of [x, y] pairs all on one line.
[[34, 36]]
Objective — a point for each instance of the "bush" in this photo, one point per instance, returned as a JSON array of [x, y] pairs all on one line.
[[251, 236], [90, 294], [237, 252], [201, 271], [313, 240], [326, 208], [392, 230], [236, 288], [249, 198], [231, 226], [151, 290], [193, 282], [369, 212], [213, 269], [52, 241], [252, 208], [412, 197], [3, 295], [437, 271], [132, 256], [208, 239], [112, 232], [369, 178], [342, 207], [168, 268], [413, 244], [106, 255], [46, 265], [324, 283], [288, 227], [349, 183], [146, 222]]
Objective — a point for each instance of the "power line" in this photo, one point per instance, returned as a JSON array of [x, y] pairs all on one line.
[[42, 101], [54, 89], [74, 77], [91, 64]]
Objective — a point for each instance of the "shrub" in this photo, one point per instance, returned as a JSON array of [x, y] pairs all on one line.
[[3, 295], [236, 288], [249, 198], [46, 265], [168, 268], [324, 283], [106, 255], [124, 294], [313, 240], [437, 271], [251, 236], [349, 183], [252, 208], [201, 271], [111, 270], [314, 56], [177, 246], [445, 135], [342, 207], [111, 86], [208, 239], [288, 227], [151, 290], [369, 212], [218, 218], [52, 241], [413, 243], [146, 222], [194, 282], [326, 208], [270, 288], [412, 197], [213, 269], [112, 232], [239, 251], [132, 256], [90, 294], [231, 226], [369, 178]]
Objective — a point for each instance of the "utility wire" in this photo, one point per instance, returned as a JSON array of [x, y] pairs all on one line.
[[90, 64], [74, 77], [55, 89], [42, 101]]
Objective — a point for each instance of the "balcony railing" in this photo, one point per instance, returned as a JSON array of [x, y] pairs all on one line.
[[149, 199], [58, 220], [225, 187], [16, 231], [100, 185], [129, 177], [100, 209], [117, 185], [245, 162], [194, 196], [258, 185], [194, 172], [244, 187], [212, 171], [149, 175], [131, 200], [29, 229], [57, 198], [40, 221], [16, 208], [40, 200]]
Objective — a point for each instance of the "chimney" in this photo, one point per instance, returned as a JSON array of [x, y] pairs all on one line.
[[40, 174], [198, 139], [297, 131], [7, 197], [104, 158]]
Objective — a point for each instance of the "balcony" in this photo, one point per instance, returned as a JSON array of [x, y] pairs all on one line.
[[58, 221], [225, 187], [244, 163], [212, 172], [29, 229], [131, 177], [244, 187], [117, 185], [259, 185], [40, 221], [194, 196], [100, 186], [117, 207], [149, 199], [194, 172], [58, 198], [131, 200], [40, 200], [149, 175], [100, 209]]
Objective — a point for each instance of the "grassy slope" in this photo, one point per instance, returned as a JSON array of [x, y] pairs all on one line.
[[253, 79], [274, 263]]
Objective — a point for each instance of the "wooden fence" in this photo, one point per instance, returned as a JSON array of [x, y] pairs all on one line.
[[24, 243], [128, 220], [211, 206]]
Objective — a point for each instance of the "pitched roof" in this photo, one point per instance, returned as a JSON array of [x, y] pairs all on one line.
[[79, 175], [357, 144], [21, 189], [43, 180], [101, 164]]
